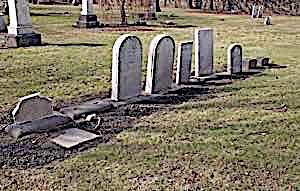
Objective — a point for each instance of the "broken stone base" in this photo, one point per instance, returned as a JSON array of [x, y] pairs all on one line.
[[23, 40], [87, 21], [42, 125], [90, 107]]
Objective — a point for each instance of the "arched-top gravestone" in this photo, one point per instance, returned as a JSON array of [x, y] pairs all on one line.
[[235, 56], [127, 68], [32, 107], [160, 64]]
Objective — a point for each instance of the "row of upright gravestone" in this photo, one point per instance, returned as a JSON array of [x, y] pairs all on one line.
[[128, 59]]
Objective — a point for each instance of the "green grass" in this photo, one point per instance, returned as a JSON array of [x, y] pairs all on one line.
[[237, 140]]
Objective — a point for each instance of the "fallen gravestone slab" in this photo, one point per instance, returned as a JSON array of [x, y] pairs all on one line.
[[42, 125], [72, 137], [90, 107]]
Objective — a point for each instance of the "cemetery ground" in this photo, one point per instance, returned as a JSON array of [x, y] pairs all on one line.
[[239, 135]]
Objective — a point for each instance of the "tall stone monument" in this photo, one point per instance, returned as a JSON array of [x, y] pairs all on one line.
[[20, 31], [88, 18]]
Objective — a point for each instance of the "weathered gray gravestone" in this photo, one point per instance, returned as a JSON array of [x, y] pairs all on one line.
[[234, 56], [2, 24], [126, 68], [204, 52], [184, 62], [20, 31], [32, 107], [160, 64], [88, 18]]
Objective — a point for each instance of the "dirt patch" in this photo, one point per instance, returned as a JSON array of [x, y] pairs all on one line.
[[36, 150]]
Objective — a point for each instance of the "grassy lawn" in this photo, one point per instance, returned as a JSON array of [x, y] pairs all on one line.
[[244, 137]]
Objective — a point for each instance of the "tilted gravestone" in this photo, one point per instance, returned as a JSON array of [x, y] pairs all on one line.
[[20, 31], [204, 52], [160, 64], [234, 56], [127, 68], [184, 62], [32, 107]]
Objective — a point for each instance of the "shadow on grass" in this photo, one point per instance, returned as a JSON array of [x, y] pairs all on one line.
[[51, 14], [73, 44]]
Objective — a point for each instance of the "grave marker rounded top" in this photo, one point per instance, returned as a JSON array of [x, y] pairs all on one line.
[[235, 57], [32, 107], [127, 67], [160, 64]]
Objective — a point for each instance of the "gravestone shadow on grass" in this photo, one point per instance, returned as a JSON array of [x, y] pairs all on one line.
[[74, 44]]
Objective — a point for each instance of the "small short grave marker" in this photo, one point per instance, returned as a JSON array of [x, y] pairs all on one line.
[[184, 63], [234, 55]]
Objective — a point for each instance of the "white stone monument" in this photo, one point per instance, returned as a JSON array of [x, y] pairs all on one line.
[[127, 68], [268, 20], [160, 64], [88, 18], [204, 52], [234, 56], [184, 62], [20, 31]]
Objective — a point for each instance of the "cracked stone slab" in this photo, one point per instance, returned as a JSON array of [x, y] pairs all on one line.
[[72, 137]]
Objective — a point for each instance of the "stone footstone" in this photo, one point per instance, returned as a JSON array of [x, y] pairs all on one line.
[[235, 56], [184, 63], [261, 62], [160, 64], [204, 52], [72, 137], [249, 64], [127, 68]]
